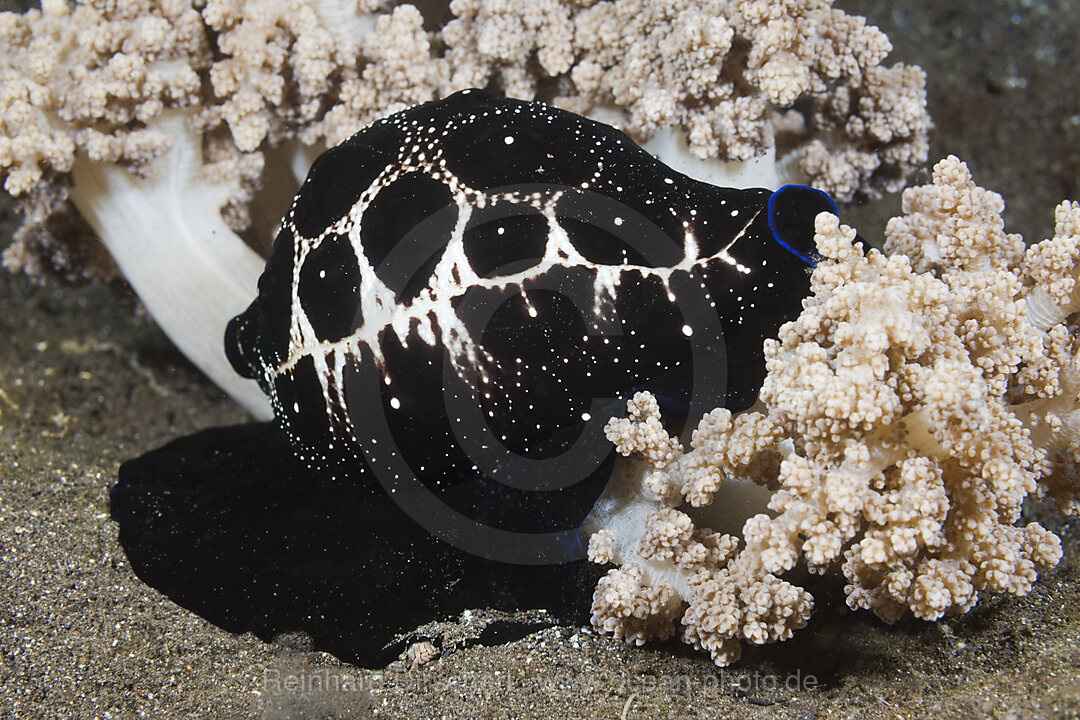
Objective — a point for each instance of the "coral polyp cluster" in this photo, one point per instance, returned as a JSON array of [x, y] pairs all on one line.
[[921, 397], [160, 112]]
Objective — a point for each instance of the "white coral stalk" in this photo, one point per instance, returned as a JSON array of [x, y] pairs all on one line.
[[166, 233], [673, 148]]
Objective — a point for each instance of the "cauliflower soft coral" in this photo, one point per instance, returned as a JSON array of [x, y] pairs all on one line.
[[907, 413], [717, 78], [149, 124], [118, 116]]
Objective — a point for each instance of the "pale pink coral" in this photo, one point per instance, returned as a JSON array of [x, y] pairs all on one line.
[[890, 424], [162, 114], [262, 86], [871, 131], [692, 574], [500, 40], [399, 71], [714, 72]]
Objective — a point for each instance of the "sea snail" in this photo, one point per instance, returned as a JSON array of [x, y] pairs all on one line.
[[459, 297], [470, 287]]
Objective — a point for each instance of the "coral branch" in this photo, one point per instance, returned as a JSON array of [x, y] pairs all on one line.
[[703, 83], [906, 416]]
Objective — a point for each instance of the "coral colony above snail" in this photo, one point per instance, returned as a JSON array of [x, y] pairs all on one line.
[[466, 296], [121, 116]]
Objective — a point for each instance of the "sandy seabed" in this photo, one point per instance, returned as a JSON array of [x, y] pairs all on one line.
[[85, 384]]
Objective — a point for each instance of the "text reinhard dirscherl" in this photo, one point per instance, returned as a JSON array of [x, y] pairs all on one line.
[[276, 681]]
